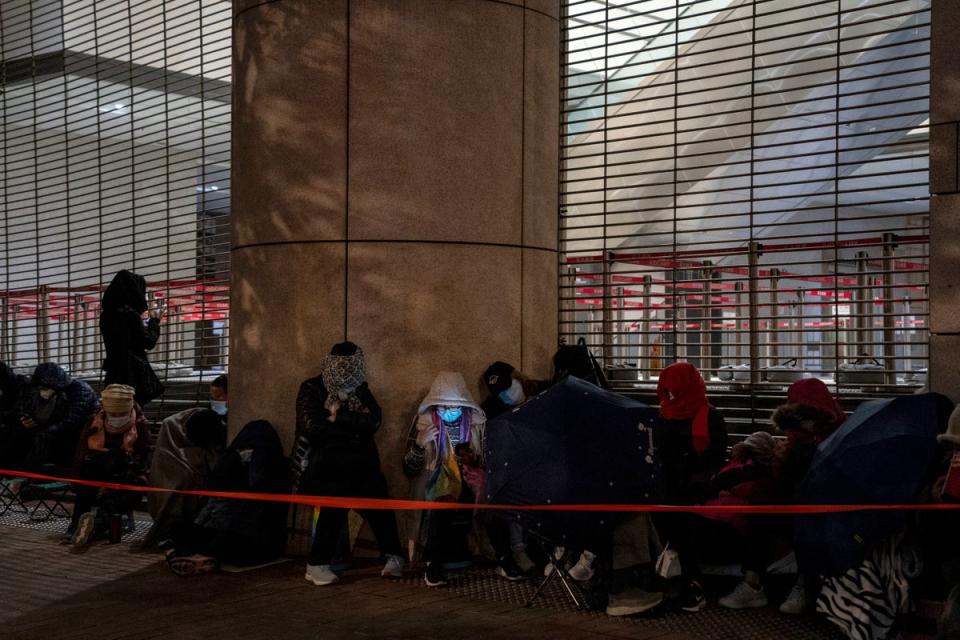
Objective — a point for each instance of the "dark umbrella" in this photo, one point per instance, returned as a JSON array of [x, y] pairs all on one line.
[[881, 455], [575, 443]]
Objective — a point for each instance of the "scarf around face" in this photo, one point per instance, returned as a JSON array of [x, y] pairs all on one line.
[[683, 395], [344, 373]]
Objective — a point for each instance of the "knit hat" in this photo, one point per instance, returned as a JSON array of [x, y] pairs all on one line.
[[812, 392], [952, 436], [498, 376], [117, 398]]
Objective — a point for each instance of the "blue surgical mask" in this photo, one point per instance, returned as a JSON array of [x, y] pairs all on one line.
[[450, 414], [219, 407], [514, 395]]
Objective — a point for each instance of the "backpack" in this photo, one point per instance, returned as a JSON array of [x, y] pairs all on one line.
[[576, 360]]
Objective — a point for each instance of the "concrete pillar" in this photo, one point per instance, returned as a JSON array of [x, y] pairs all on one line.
[[944, 373], [395, 171]]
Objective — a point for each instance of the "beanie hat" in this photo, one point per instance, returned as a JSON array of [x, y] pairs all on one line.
[[117, 398], [344, 368], [498, 376], [952, 436], [812, 392]]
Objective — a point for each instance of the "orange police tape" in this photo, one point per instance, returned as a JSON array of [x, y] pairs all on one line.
[[405, 505]]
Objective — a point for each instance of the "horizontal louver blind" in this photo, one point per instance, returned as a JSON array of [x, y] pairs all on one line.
[[116, 154], [744, 186]]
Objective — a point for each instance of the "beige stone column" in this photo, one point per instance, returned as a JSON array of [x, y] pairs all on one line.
[[395, 171], [944, 200]]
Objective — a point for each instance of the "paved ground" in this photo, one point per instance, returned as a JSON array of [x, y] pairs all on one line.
[[112, 592]]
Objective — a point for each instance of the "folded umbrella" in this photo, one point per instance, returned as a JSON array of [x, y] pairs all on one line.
[[882, 454]]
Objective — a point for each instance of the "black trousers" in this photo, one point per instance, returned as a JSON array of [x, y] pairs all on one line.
[[382, 521], [105, 466]]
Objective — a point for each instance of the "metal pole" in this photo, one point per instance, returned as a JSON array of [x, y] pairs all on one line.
[[645, 341], [862, 306], [77, 324], [706, 319], [680, 327], [774, 317], [567, 311], [620, 350], [14, 310], [43, 327], [4, 331], [889, 322], [801, 333], [756, 250], [738, 325], [606, 313]]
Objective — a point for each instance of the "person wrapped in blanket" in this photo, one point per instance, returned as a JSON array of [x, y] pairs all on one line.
[[232, 530], [442, 458], [113, 448]]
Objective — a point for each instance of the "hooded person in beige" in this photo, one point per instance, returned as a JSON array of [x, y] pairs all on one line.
[[443, 458]]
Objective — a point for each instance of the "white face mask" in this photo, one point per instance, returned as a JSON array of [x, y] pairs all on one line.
[[118, 421], [219, 407], [514, 395]]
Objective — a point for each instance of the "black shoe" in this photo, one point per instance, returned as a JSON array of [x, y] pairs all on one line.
[[510, 571], [434, 576], [691, 598]]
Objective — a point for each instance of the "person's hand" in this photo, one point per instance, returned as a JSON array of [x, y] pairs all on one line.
[[332, 417], [157, 311], [427, 436], [27, 422]]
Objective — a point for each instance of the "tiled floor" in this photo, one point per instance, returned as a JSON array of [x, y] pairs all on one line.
[[113, 592]]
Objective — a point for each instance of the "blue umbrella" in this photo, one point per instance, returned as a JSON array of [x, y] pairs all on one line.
[[880, 455], [574, 443]]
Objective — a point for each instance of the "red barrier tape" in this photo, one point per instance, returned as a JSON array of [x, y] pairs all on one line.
[[406, 505]]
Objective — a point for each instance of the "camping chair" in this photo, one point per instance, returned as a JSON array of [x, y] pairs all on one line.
[[10, 496], [49, 495], [573, 589]]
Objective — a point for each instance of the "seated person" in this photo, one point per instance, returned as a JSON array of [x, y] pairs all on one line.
[[809, 416], [12, 388], [448, 421], [186, 451], [182, 462], [53, 411], [113, 448], [508, 388], [228, 530]]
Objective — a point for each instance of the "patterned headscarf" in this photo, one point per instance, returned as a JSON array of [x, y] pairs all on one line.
[[343, 373]]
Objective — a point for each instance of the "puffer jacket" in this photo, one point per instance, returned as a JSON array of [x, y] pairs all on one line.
[[78, 403]]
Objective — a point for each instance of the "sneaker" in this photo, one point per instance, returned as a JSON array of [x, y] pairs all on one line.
[[796, 602], [394, 567], [744, 596], [320, 574], [84, 530], [434, 575], [522, 560], [187, 566], [691, 598], [509, 571], [582, 571], [632, 601]]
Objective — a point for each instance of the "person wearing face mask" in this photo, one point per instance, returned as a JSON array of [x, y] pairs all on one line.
[[508, 388], [447, 420], [51, 414], [113, 447], [218, 396], [339, 416]]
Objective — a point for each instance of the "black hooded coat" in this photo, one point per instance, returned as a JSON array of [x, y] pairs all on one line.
[[126, 339]]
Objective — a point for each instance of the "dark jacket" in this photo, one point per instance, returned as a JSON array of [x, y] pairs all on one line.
[[76, 401], [12, 388], [254, 462], [687, 474], [126, 339], [342, 451]]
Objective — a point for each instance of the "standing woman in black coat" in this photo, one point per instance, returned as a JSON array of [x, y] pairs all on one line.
[[126, 338]]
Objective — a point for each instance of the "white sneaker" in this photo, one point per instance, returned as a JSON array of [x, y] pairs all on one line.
[[796, 602], [744, 597], [320, 574], [394, 567], [583, 571]]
